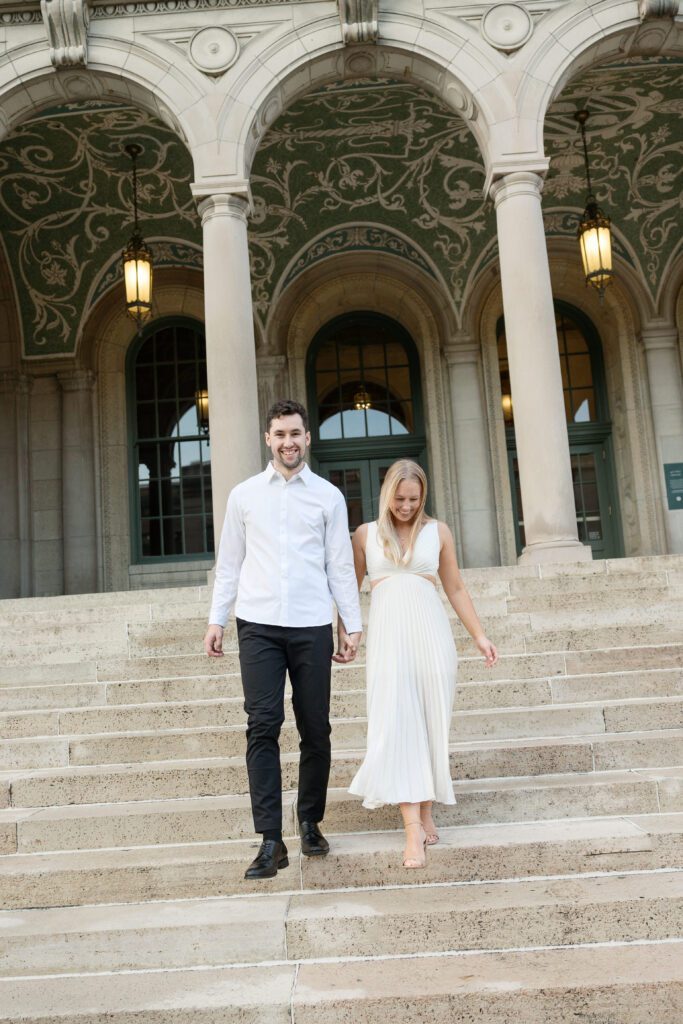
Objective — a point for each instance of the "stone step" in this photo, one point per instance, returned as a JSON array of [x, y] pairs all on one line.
[[591, 584], [496, 915], [607, 658], [617, 602], [218, 818], [84, 728], [161, 743], [348, 702], [474, 853], [634, 984], [180, 776], [469, 916]]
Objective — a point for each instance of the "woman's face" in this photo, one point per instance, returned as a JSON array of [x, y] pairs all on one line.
[[406, 500]]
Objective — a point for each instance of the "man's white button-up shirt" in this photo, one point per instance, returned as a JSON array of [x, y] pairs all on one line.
[[285, 554]]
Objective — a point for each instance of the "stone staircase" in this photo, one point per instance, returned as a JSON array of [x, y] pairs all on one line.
[[555, 895]]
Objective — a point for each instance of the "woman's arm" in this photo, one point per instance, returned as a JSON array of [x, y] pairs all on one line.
[[358, 544], [457, 594]]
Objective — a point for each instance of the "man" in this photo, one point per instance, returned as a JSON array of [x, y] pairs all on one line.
[[285, 553]]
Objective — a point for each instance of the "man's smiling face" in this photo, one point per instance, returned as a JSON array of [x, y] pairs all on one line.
[[288, 440]]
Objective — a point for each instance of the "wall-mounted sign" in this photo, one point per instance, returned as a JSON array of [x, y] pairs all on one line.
[[673, 474]]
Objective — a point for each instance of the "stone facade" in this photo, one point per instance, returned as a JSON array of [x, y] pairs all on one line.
[[305, 160]]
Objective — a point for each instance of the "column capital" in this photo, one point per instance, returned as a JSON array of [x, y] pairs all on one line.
[[461, 348], [270, 364], [76, 380], [659, 335], [12, 382], [224, 204], [517, 183]]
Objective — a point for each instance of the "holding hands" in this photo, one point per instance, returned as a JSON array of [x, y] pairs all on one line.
[[347, 645]]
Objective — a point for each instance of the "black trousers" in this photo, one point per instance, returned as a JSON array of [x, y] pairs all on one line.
[[267, 653]]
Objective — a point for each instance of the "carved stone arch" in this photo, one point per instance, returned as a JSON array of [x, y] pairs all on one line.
[[379, 284], [617, 322], [107, 336], [472, 87], [619, 32], [671, 293], [121, 71]]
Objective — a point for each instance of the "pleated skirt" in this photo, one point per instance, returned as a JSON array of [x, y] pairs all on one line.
[[411, 666]]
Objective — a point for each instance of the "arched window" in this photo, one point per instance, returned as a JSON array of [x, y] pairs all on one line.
[[589, 429], [170, 452], [365, 405]]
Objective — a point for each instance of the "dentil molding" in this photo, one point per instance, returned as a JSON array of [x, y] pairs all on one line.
[[66, 22]]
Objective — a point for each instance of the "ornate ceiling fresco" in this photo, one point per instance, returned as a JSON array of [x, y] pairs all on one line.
[[66, 211], [350, 167], [635, 146], [383, 153]]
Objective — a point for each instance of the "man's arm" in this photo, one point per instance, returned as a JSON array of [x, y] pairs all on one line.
[[231, 554], [341, 578]]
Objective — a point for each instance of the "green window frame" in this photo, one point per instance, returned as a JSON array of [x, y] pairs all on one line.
[[168, 451]]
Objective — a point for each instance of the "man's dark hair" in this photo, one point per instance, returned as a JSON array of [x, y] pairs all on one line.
[[286, 407]]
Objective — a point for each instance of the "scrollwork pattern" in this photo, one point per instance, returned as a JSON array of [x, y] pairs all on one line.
[[635, 149], [382, 151], [66, 203]]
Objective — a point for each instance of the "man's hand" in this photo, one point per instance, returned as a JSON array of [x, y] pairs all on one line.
[[347, 646], [213, 642]]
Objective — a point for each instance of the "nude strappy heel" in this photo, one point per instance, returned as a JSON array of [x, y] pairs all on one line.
[[412, 862]]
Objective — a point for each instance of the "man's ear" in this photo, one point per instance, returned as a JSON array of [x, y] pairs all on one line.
[[266, 438], [307, 439]]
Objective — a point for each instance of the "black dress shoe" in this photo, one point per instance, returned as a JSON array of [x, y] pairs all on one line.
[[313, 842], [271, 857]]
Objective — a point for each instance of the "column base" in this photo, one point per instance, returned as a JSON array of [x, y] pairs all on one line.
[[555, 551]]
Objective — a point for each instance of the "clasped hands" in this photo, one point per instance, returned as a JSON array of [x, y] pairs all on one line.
[[347, 645]]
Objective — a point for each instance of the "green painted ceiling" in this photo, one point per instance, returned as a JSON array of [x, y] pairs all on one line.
[[349, 167], [66, 210]]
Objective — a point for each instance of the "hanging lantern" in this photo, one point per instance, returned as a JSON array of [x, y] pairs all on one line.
[[506, 402], [201, 401], [595, 233], [361, 399], [137, 259]]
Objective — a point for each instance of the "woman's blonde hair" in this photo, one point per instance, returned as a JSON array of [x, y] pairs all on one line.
[[404, 469]]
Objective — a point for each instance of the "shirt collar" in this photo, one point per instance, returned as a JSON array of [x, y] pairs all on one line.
[[304, 474]]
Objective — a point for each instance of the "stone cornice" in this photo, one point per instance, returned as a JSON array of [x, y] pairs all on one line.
[[14, 12]]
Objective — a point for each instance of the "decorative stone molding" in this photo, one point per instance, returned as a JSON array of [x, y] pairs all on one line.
[[77, 380], [359, 21], [221, 205], [659, 335], [649, 10], [506, 26], [13, 383], [213, 49], [66, 22], [135, 7]]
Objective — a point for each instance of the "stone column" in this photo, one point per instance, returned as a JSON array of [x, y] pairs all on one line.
[[269, 370], [535, 376], [78, 482], [478, 528], [660, 342], [230, 349], [15, 537]]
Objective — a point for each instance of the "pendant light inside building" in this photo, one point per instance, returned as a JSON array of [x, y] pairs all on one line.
[[594, 234], [201, 401], [137, 259], [361, 399]]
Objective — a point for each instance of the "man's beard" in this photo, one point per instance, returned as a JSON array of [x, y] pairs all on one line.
[[290, 465]]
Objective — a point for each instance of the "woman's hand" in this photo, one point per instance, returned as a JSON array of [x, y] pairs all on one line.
[[485, 647]]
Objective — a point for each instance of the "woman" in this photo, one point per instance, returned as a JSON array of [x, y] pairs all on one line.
[[411, 661]]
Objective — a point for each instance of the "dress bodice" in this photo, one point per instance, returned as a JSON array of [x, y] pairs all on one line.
[[424, 560]]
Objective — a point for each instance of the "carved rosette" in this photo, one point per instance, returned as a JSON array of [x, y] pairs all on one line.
[[359, 21], [66, 22]]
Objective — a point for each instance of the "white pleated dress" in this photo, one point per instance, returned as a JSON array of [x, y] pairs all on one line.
[[411, 668]]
